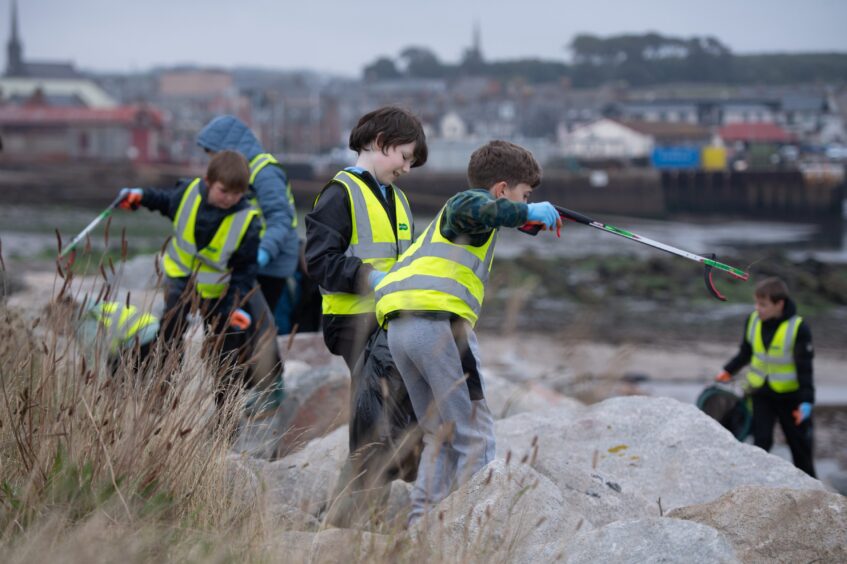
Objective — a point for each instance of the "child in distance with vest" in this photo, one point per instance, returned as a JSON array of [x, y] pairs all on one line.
[[210, 262], [777, 343], [430, 302]]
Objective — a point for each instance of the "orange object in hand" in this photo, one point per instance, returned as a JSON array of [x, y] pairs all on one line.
[[130, 198], [724, 377], [240, 319]]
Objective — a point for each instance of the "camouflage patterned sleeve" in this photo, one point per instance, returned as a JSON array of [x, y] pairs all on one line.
[[477, 211]]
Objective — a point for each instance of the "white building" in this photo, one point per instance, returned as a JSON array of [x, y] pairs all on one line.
[[605, 139]]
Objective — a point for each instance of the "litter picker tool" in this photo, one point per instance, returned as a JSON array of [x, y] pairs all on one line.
[[709, 263], [82, 234]]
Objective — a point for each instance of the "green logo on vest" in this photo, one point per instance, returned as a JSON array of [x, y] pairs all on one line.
[[403, 227]]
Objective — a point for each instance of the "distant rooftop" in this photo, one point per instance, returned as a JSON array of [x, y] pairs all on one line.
[[83, 89], [762, 132]]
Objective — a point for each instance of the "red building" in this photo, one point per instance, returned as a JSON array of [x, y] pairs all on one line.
[[757, 132], [33, 132]]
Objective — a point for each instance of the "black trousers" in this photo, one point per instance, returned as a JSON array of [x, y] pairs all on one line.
[[272, 287], [223, 342], [770, 407]]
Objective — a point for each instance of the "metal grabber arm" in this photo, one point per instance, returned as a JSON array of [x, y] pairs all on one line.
[[710, 263]]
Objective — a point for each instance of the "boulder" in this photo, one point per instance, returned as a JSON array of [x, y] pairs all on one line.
[[398, 504], [328, 547], [286, 517], [308, 348], [317, 401], [505, 398], [656, 449], [777, 524], [506, 512], [654, 539], [307, 478], [137, 273], [242, 479]]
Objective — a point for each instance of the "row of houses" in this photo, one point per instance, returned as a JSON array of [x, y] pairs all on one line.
[[49, 110]]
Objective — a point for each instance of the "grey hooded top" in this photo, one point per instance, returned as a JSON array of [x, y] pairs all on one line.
[[280, 239]]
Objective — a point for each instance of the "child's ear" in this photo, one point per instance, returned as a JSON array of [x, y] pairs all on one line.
[[379, 144], [499, 189], [206, 181]]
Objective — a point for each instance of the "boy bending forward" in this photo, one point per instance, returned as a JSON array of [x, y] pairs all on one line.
[[431, 301]]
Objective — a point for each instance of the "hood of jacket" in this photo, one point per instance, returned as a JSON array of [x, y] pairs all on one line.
[[229, 132]]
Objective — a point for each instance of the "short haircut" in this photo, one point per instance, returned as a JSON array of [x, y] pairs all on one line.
[[773, 288], [499, 161], [230, 168], [391, 126]]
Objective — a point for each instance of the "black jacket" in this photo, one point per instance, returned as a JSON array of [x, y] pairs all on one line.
[[329, 227], [803, 352], [209, 218]]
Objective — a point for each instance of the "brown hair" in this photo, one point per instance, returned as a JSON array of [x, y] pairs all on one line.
[[772, 288], [390, 126], [499, 161], [230, 168]]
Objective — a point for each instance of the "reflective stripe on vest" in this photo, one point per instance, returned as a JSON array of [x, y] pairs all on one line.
[[121, 322], [259, 162], [436, 274], [776, 363], [182, 258], [374, 240]]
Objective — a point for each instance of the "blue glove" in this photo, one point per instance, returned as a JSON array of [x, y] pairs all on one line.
[[803, 412], [374, 278], [264, 258], [543, 212]]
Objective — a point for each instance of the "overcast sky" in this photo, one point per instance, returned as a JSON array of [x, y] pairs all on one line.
[[342, 36]]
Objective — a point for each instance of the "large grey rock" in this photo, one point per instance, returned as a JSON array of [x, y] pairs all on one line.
[[137, 273], [506, 398], [347, 545], [505, 513], [317, 402], [289, 518], [666, 452], [307, 478], [593, 494], [777, 524], [398, 504], [308, 348], [242, 479], [651, 540], [328, 547]]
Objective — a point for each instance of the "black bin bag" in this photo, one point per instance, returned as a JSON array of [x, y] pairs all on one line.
[[385, 441]]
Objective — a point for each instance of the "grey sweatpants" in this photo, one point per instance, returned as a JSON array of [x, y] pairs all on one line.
[[458, 433]]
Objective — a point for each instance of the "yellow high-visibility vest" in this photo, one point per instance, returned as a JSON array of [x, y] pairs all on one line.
[[121, 322], [436, 274], [373, 240], [182, 257], [257, 163], [774, 364]]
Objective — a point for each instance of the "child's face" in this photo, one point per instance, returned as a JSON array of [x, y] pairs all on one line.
[[768, 309], [518, 193], [222, 197], [391, 164]]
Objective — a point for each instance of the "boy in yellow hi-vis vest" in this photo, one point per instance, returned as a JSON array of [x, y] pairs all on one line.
[[360, 224], [210, 262], [429, 303], [777, 344]]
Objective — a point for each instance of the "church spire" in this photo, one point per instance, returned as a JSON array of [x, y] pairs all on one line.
[[14, 49]]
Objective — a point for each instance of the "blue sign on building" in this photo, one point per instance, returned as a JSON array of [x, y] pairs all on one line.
[[675, 157]]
